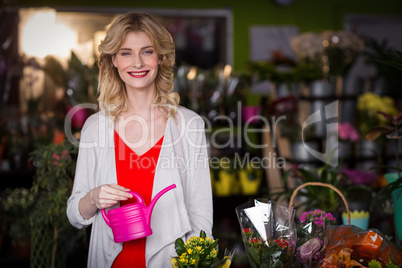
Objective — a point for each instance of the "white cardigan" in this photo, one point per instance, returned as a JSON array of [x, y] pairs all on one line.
[[181, 212]]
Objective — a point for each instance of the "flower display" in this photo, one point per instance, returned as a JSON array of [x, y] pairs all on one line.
[[311, 233], [270, 253], [368, 105], [269, 233], [347, 258], [309, 251], [350, 246], [359, 177], [347, 132], [333, 52], [342, 259], [318, 217], [199, 251]]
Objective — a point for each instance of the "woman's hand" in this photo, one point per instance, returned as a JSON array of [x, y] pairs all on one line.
[[108, 195], [101, 197]]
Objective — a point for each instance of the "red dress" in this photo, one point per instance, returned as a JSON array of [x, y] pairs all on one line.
[[135, 172]]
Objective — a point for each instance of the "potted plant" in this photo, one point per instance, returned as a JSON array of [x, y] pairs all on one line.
[[392, 132], [368, 105], [359, 192], [282, 76], [327, 55], [16, 206], [347, 135], [312, 198], [52, 185], [285, 110], [200, 251], [385, 60]]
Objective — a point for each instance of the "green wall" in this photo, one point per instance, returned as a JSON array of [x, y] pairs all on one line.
[[308, 15]]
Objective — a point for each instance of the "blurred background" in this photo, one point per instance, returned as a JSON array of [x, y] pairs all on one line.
[[243, 60]]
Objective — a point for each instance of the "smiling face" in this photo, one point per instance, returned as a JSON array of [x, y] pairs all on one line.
[[137, 62]]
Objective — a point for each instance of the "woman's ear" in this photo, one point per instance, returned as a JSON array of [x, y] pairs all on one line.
[[114, 60], [160, 59]]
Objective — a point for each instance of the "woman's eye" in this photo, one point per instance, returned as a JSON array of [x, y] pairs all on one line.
[[125, 53], [148, 51]]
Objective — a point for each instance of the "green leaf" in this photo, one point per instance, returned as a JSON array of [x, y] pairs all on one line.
[[254, 255], [277, 264], [377, 131], [286, 175], [265, 265], [216, 262], [197, 260], [206, 263], [203, 235], [179, 246]]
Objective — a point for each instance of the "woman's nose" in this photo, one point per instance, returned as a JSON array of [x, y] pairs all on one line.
[[137, 62]]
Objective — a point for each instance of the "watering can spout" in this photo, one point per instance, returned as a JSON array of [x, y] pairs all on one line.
[[153, 202]]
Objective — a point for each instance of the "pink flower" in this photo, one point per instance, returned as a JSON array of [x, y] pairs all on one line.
[[358, 176], [317, 216], [309, 250], [56, 158], [347, 132]]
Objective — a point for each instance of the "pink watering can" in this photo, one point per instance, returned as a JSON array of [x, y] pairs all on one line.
[[132, 221]]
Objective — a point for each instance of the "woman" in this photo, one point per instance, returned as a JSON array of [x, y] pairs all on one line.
[[143, 141]]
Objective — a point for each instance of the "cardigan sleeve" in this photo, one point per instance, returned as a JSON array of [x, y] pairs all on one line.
[[84, 174], [200, 208]]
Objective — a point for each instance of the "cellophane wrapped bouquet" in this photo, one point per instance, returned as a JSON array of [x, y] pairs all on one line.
[[312, 240], [269, 233]]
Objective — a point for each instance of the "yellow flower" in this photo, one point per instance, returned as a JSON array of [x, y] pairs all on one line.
[[199, 248], [193, 261], [189, 250]]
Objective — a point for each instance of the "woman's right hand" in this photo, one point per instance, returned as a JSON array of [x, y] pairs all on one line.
[[101, 197], [107, 195]]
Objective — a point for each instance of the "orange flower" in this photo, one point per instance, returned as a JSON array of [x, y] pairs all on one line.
[[342, 259], [58, 136]]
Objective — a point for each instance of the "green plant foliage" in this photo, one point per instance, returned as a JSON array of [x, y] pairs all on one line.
[[388, 64], [319, 197], [17, 204], [52, 185]]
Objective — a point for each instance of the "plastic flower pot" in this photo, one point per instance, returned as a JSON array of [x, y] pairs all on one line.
[[397, 199]]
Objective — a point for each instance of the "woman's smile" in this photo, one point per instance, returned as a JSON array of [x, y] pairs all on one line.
[[138, 74]]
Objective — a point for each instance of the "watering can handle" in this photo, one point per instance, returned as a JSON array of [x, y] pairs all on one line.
[[137, 196], [105, 217]]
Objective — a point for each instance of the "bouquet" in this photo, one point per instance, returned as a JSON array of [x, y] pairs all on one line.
[[268, 232], [312, 240], [199, 251], [350, 246]]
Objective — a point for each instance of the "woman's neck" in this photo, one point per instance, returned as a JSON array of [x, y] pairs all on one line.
[[140, 103]]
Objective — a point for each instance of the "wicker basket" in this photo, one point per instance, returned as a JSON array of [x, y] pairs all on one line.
[[324, 185]]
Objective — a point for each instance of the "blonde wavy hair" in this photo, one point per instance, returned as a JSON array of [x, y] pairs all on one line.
[[112, 92]]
